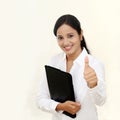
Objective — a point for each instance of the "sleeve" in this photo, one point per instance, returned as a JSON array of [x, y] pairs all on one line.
[[98, 93], [44, 102]]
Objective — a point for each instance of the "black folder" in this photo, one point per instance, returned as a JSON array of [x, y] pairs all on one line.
[[60, 86]]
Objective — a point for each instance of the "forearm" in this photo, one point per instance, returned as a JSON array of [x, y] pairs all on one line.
[[43, 99], [97, 95], [47, 104]]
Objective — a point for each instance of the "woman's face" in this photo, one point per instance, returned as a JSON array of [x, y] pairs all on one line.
[[69, 40]]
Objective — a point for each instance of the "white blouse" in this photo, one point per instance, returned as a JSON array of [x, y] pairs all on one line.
[[87, 97]]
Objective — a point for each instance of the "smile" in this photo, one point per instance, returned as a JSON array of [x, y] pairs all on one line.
[[67, 48]]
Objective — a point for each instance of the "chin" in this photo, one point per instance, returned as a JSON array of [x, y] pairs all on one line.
[[69, 53]]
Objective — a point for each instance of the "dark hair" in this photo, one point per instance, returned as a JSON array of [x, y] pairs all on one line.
[[74, 23]]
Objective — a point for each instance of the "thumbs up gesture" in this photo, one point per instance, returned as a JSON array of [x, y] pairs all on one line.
[[89, 74]]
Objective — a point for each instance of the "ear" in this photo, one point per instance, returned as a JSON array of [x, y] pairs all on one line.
[[81, 35]]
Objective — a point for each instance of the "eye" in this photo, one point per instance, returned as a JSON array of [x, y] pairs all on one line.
[[70, 35], [59, 37]]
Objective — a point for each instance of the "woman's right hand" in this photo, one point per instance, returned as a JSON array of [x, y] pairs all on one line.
[[69, 106]]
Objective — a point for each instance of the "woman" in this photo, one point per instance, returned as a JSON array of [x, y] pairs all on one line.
[[86, 71]]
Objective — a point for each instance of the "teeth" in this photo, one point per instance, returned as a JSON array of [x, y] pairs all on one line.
[[68, 47]]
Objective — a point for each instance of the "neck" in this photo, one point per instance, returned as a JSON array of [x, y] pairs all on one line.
[[72, 57]]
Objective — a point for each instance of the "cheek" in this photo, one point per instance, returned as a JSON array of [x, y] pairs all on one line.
[[77, 44], [60, 43]]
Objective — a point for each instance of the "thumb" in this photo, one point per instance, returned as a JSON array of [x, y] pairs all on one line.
[[86, 61]]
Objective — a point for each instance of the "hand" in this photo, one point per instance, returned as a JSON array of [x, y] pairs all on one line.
[[89, 74], [69, 106]]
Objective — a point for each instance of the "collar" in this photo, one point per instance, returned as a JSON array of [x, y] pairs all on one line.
[[80, 59]]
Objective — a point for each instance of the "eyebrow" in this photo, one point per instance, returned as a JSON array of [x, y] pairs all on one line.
[[67, 34]]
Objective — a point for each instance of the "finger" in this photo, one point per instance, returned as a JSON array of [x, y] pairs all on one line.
[[92, 79], [86, 61], [92, 84], [88, 72], [89, 75], [75, 103]]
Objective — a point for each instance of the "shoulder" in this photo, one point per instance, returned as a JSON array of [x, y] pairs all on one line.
[[93, 61], [56, 59]]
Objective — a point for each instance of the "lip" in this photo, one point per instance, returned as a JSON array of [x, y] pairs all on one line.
[[67, 48]]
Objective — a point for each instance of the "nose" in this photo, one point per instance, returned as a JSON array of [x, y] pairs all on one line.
[[66, 42]]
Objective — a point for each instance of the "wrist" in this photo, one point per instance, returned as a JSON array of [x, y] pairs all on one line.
[[92, 85], [60, 107]]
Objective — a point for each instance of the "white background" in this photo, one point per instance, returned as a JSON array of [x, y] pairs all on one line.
[[27, 43]]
